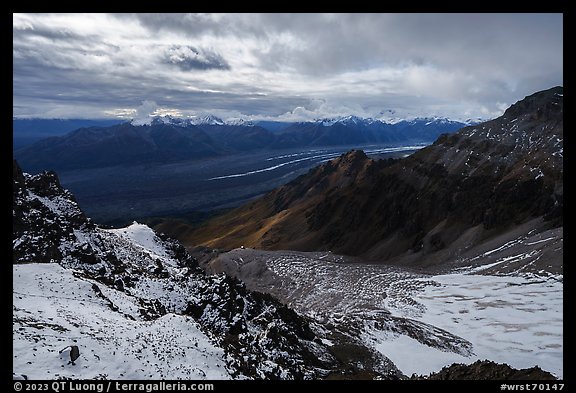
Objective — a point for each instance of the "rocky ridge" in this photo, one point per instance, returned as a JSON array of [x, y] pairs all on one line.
[[487, 370], [441, 204]]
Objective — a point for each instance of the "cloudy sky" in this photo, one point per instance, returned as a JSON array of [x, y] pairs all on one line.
[[284, 66]]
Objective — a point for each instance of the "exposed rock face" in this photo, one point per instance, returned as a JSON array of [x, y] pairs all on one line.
[[44, 217], [282, 329], [488, 179], [487, 370]]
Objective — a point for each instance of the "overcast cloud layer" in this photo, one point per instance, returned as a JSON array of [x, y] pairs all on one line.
[[285, 66]]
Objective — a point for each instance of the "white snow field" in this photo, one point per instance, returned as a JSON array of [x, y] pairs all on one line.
[[514, 320], [143, 237], [54, 309]]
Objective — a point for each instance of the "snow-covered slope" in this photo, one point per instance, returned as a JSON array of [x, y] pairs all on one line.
[[55, 307]]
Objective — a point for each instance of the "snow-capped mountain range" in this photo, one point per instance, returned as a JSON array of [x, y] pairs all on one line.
[[172, 139], [355, 120], [211, 120]]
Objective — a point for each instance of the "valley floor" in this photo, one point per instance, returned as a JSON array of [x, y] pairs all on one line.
[[120, 194]]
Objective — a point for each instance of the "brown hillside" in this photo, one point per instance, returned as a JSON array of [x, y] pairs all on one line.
[[466, 188]]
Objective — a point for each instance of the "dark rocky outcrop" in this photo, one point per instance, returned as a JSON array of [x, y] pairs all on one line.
[[488, 370], [222, 300], [44, 217]]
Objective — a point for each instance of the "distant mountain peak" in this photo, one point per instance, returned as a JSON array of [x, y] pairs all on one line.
[[198, 120], [349, 120], [207, 119], [353, 120], [239, 122], [142, 121]]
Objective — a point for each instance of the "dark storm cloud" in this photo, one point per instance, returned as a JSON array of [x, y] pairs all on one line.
[[346, 41], [191, 58], [309, 65]]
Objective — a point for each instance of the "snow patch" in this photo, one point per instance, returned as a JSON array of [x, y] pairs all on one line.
[[143, 236], [514, 320], [413, 357]]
